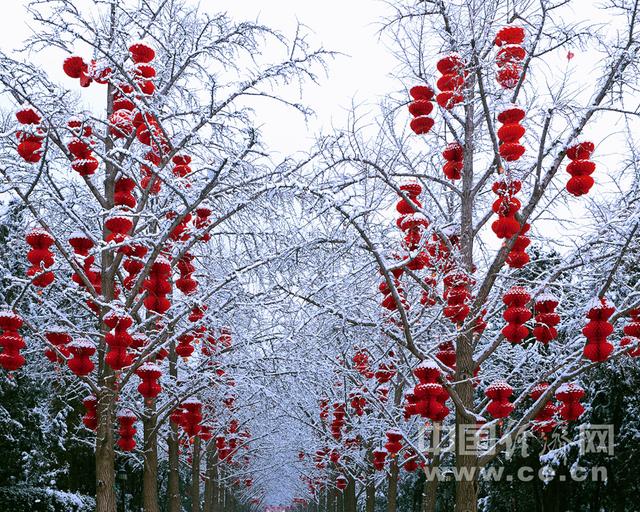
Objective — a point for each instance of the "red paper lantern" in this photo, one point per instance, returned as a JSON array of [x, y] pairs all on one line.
[[41, 257], [598, 348], [510, 55], [516, 314], [454, 155], [126, 430], [379, 458], [141, 52], [59, 338], [149, 374], [499, 393], [11, 341], [580, 168], [452, 82], [570, 394], [81, 350], [421, 108], [546, 318], [192, 416]]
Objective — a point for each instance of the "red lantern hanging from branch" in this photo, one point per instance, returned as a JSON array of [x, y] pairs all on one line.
[[580, 168], [11, 341], [394, 442], [510, 134], [451, 83], [379, 458], [499, 393], [420, 109], [510, 55], [30, 136], [454, 155], [59, 338], [597, 330], [506, 207], [516, 314], [546, 318], [126, 430], [570, 394], [544, 420], [90, 418], [149, 374], [41, 257], [81, 350], [632, 334]]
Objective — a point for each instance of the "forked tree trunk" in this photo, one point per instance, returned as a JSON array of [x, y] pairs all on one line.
[[150, 470], [105, 456], [195, 476], [392, 492], [173, 482]]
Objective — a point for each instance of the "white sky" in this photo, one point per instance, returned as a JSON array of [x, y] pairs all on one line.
[[348, 26]]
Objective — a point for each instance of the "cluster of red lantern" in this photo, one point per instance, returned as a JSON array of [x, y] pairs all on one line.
[[90, 418], [457, 293], [379, 458], [338, 421], [510, 134], [133, 264], [518, 257], [149, 374], [158, 286], [420, 109], [394, 442], [80, 146], [118, 339], [11, 341], [41, 257], [544, 420], [385, 373], [580, 168], [86, 73], [598, 348], [516, 314], [546, 318], [632, 333], [499, 393], [506, 207], [81, 350], [454, 155], [510, 55], [126, 430], [58, 339], [428, 397], [570, 394], [30, 136], [185, 283], [451, 83]]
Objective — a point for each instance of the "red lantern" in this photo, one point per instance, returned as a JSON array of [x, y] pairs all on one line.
[[452, 81], [30, 136], [632, 334], [158, 286], [186, 284], [518, 256], [341, 482], [394, 442], [118, 339], [454, 155], [192, 416], [457, 294], [546, 318], [126, 430], [379, 457], [516, 314], [81, 350], [59, 339], [11, 341], [420, 109], [141, 52], [149, 374], [544, 420], [506, 206], [90, 419], [580, 168], [499, 393], [510, 55], [41, 257], [570, 394], [597, 330]]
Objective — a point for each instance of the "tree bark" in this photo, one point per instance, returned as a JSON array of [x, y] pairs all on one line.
[[211, 481], [150, 471], [370, 502], [429, 495], [173, 483], [195, 476], [350, 500], [392, 492], [105, 456]]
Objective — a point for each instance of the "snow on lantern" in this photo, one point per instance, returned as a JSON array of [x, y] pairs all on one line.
[[456, 294], [454, 155], [428, 395], [41, 257], [123, 195], [570, 395], [141, 52], [126, 430], [451, 83], [341, 482], [394, 442], [81, 350], [11, 341], [632, 334], [510, 55], [516, 314], [149, 374], [598, 348], [80, 147], [90, 418], [546, 318], [59, 339], [119, 226], [184, 348], [499, 393], [134, 263], [446, 354], [506, 207], [420, 109], [30, 136], [580, 168]]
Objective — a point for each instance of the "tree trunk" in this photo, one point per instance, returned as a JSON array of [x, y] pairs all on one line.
[[350, 500], [429, 495], [195, 476], [173, 483], [105, 456], [211, 481], [370, 503], [392, 492], [150, 471]]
